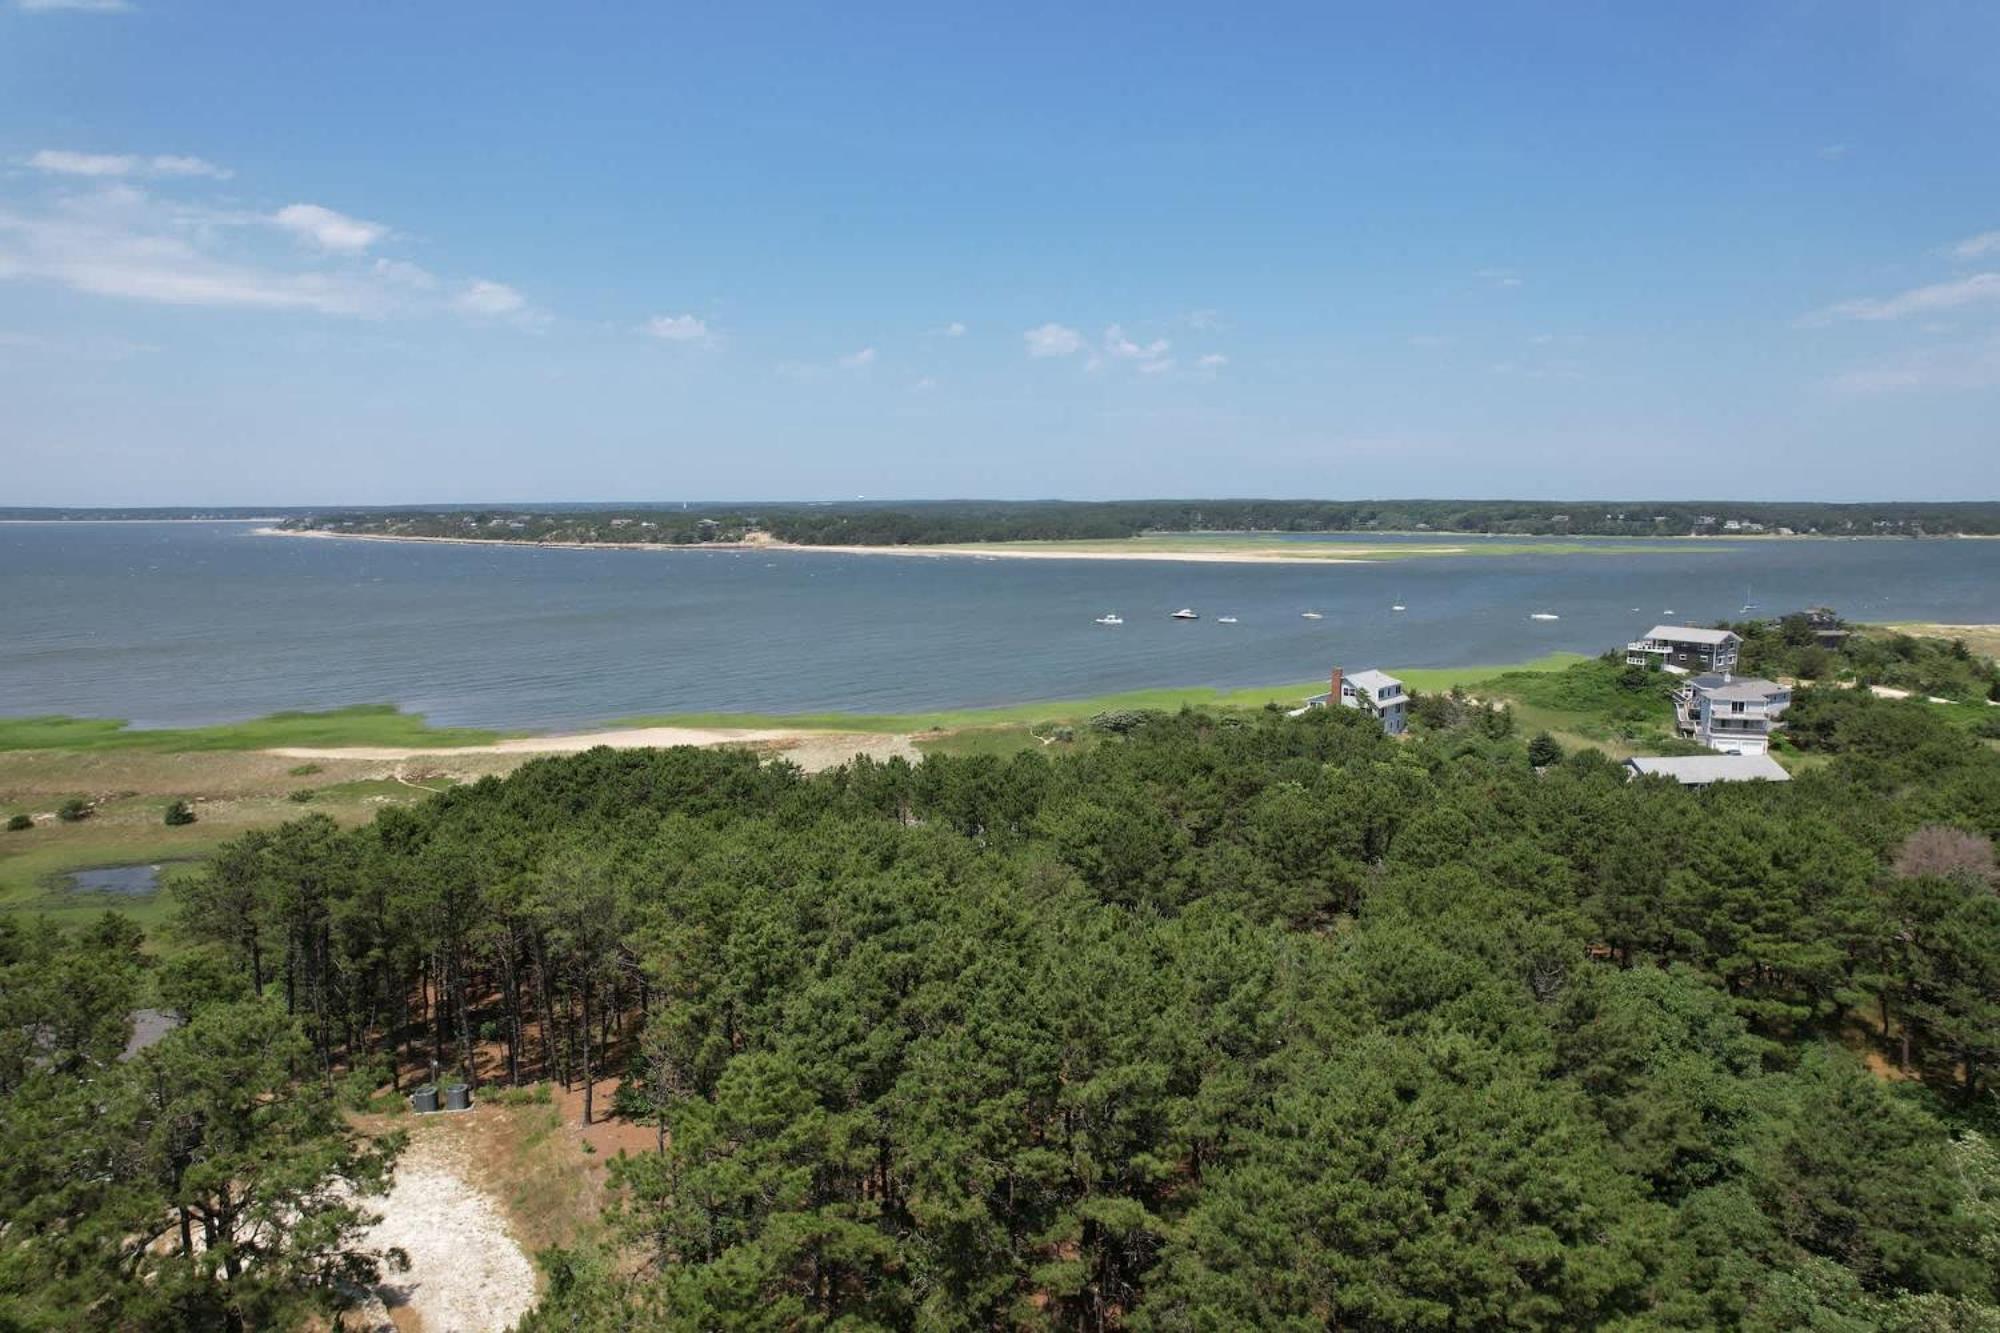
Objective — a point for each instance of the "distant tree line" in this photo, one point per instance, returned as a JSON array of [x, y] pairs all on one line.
[[930, 522], [1217, 1022]]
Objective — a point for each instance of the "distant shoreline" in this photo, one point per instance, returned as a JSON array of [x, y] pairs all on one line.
[[997, 551]]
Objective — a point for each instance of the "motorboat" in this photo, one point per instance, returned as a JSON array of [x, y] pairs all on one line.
[[1225, 620], [1544, 615], [1399, 607], [1311, 615], [1185, 614], [1111, 618]]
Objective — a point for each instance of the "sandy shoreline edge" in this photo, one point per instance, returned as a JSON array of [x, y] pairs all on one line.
[[994, 552]]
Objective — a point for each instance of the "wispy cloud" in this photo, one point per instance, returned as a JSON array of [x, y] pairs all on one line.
[[1975, 247], [1212, 361], [1499, 277], [1116, 344], [334, 232], [103, 235], [860, 360], [1976, 289], [955, 329], [1052, 340], [489, 299], [75, 6], [1965, 366], [1205, 321], [112, 243], [1833, 152], [62, 162], [676, 328]]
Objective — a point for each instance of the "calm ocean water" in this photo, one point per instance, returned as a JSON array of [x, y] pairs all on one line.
[[184, 623]]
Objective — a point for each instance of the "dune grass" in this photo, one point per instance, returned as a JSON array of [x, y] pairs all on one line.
[[365, 724]]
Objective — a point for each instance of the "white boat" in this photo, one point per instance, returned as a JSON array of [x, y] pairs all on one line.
[[1311, 615], [1225, 620], [1545, 615], [1111, 618], [1399, 607], [1185, 614]]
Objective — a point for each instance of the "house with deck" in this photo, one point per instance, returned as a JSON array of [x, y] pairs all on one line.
[[1685, 648], [1376, 693], [1732, 714]]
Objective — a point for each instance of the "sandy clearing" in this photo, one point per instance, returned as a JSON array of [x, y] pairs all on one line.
[[808, 749], [467, 1274]]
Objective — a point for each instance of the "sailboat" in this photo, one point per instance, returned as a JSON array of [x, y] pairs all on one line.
[[1749, 605]]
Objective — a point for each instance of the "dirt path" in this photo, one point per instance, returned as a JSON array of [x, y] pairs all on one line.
[[467, 1273]]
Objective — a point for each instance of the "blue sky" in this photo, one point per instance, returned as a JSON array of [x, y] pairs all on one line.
[[381, 253]]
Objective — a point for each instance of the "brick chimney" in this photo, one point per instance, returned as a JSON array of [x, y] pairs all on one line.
[[1333, 694]]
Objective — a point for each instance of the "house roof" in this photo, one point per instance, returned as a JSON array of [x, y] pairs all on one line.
[[1373, 681], [1702, 769], [1690, 634], [1748, 689]]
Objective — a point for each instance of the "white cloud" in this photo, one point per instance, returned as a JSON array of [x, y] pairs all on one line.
[[1499, 277], [115, 242], [951, 330], [860, 360], [1972, 247], [1053, 340], [62, 162], [1151, 357], [77, 6], [1833, 152], [490, 300], [1122, 347], [84, 164], [1205, 321], [676, 328], [1965, 366], [113, 239], [171, 164], [1213, 361], [333, 232], [924, 385], [1973, 290], [404, 273]]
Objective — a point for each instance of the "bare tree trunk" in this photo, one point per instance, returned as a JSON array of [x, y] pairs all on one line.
[[584, 1027]]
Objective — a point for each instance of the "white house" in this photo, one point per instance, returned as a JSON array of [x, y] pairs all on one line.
[[1733, 714], [1376, 693]]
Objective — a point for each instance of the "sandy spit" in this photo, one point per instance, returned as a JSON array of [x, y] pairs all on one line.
[[998, 551], [809, 749]]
